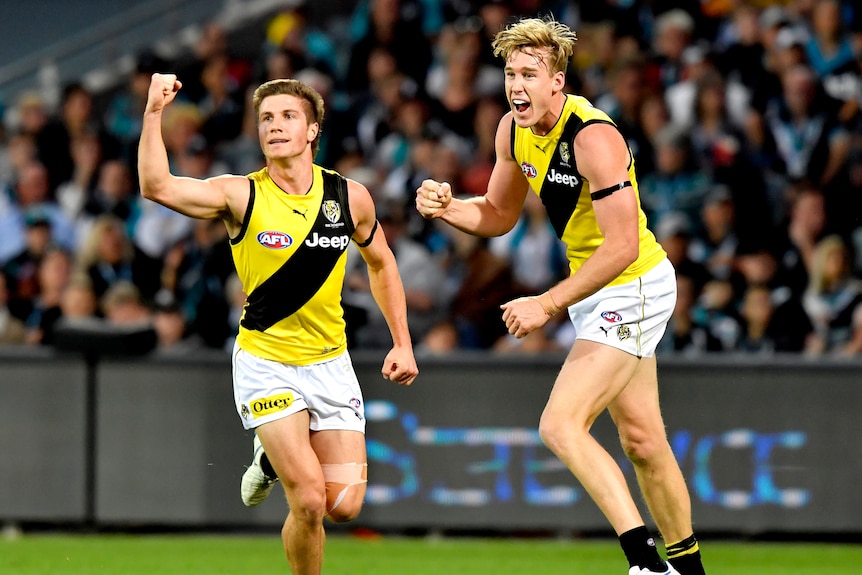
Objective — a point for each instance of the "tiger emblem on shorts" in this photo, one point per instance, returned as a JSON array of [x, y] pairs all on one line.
[[624, 332]]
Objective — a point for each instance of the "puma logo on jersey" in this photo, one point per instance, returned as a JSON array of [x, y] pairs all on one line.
[[337, 242], [295, 211], [565, 179], [274, 240]]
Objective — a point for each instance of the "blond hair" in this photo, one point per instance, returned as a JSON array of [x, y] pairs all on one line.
[[533, 34], [313, 101]]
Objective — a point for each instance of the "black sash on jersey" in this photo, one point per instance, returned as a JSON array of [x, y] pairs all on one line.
[[560, 199], [301, 276]]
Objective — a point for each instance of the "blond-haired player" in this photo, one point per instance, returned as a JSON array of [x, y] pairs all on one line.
[[619, 295]]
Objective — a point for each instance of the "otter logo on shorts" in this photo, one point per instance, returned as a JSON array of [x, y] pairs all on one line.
[[272, 404], [623, 332]]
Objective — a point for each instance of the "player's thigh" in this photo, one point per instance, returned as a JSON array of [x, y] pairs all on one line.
[[288, 447], [591, 377]]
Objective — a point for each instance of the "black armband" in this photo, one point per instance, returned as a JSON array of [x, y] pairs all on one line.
[[367, 242], [603, 193]]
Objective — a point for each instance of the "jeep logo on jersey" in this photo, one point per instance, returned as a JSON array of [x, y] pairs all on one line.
[[331, 210], [529, 170], [337, 242], [565, 179], [274, 240]]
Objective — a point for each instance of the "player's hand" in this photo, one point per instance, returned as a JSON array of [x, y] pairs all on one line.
[[400, 366], [163, 89], [432, 198], [523, 315]]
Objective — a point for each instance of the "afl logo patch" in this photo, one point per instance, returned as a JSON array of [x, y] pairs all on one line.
[[331, 210], [612, 316], [274, 240], [529, 170]]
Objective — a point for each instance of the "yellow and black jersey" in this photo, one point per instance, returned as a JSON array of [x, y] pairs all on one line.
[[550, 167], [290, 255]]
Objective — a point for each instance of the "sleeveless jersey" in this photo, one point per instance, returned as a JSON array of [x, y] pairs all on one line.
[[290, 255], [551, 169]]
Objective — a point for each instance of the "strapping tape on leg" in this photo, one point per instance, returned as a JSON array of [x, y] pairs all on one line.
[[347, 474]]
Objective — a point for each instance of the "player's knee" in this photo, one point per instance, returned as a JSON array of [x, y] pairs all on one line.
[[556, 433], [348, 508], [308, 505], [641, 447], [345, 490]]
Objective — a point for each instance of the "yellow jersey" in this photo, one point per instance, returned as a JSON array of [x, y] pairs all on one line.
[[551, 169], [290, 255]]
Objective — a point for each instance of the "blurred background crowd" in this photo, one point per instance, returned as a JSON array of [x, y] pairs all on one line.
[[743, 117]]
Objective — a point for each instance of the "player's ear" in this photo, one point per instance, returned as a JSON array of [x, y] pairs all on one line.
[[313, 130], [559, 81]]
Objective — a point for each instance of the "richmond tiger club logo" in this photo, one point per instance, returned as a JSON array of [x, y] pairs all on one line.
[[274, 240], [565, 154], [332, 210], [624, 332]]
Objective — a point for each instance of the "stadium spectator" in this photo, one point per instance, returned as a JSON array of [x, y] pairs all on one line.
[[624, 101], [678, 184], [832, 296], [687, 334], [536, 254], [73, 194], [108, 256], [21, 271], [11, 328], [787, 326], [53, 275], [194, 274], [714, 244], [400, 27], [32, 194], [422, 276], [75, 117], [477, 281]]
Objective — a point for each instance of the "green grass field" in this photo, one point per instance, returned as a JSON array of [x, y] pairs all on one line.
[[182, 554]]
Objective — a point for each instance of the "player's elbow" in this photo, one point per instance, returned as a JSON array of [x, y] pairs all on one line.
[[625, 250], [152, 189]]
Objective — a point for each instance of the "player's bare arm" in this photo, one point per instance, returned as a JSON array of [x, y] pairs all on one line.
[[493, 214], [603, 159], [386, 287], [224, 197]]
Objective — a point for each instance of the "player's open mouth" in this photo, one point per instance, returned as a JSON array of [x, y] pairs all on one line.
[[278, 141], [520, 105]]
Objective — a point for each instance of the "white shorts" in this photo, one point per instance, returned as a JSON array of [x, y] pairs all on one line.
[[631, 316], [266, 390]]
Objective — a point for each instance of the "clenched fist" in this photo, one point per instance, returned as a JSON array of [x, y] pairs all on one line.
[[163, 90], [432, 198]]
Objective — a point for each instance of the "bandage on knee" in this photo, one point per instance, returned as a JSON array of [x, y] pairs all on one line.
[[347, 474]]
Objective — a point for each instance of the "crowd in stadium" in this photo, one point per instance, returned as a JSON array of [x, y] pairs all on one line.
[[744, 119]]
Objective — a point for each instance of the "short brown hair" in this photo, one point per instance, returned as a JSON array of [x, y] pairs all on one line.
[[314, 109], [534, 33]]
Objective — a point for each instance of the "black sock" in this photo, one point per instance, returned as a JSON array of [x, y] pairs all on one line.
[[685, 556], [640, 549], [267, 466]]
